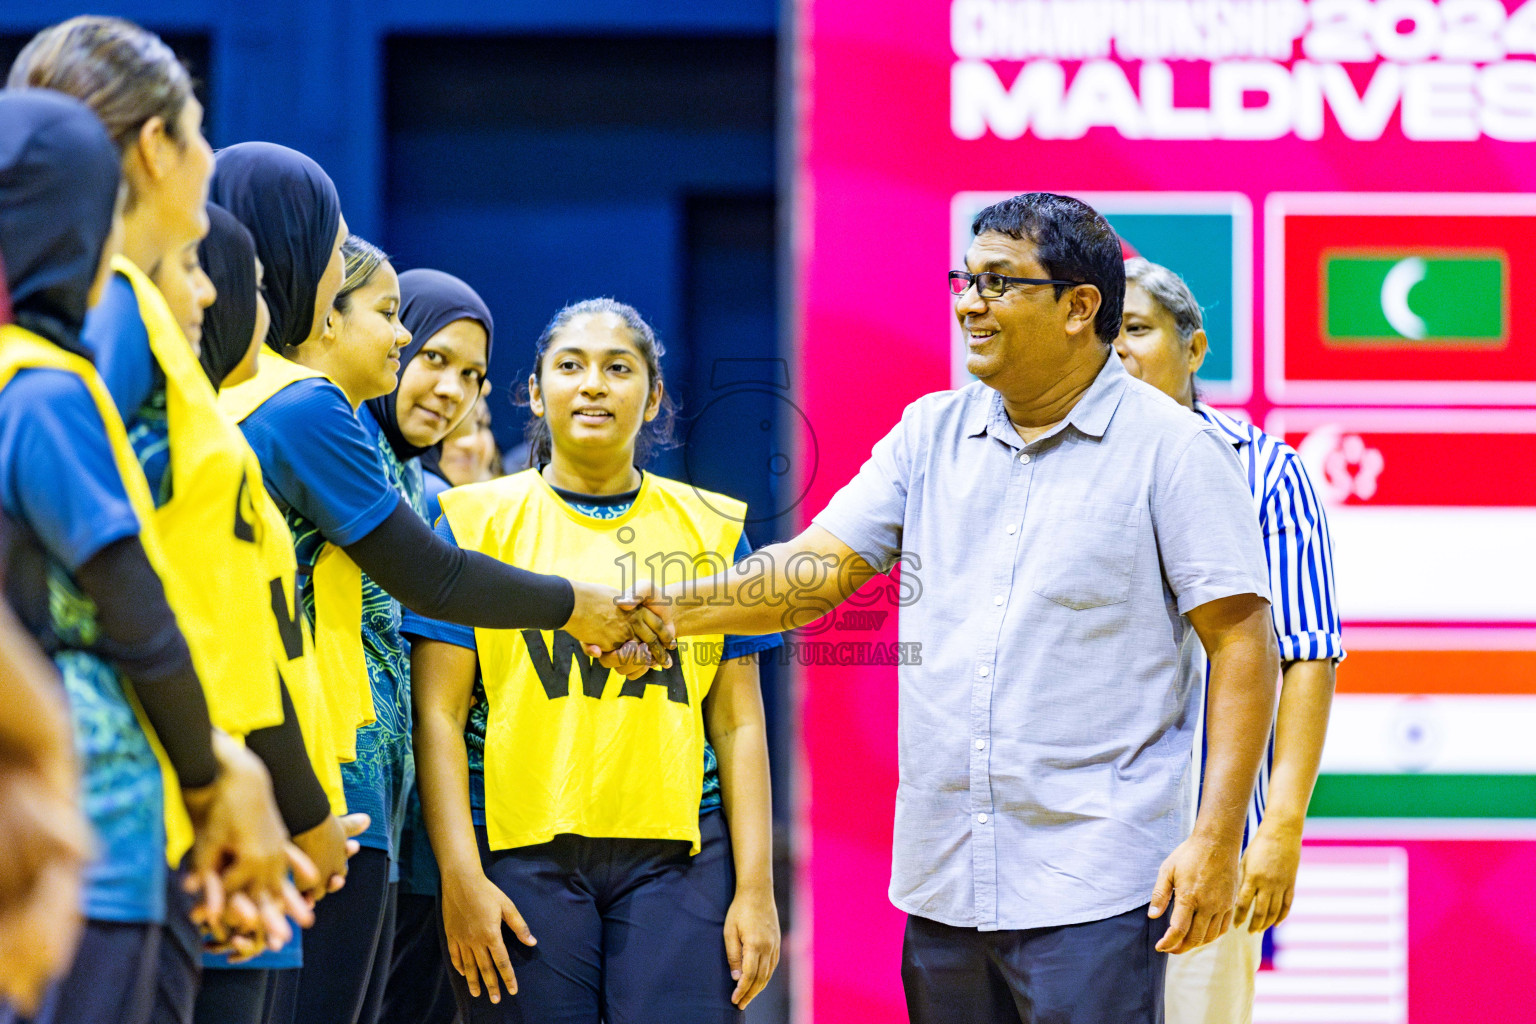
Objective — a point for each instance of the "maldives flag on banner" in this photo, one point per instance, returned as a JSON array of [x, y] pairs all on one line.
[[1410, 298]]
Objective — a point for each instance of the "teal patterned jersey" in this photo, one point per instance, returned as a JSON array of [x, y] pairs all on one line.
[[122, 792], [121, 785], [150, 434], [380, 780]]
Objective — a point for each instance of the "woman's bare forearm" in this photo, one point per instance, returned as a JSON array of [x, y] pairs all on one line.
[[737, 729], [1301, 726], [442, 684]]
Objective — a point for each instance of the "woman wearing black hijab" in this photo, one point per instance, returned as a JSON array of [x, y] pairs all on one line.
[[442, 375], [323, 469], [451, 324], [237, 322], [291, 209], [232, 331], [86, 587]]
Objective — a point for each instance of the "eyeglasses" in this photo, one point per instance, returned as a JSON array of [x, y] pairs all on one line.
[[992, 286]]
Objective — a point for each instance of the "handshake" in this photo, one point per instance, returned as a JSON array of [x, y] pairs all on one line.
[[632, 632]]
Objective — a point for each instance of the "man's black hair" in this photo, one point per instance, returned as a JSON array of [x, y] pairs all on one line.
[[1072, 241]]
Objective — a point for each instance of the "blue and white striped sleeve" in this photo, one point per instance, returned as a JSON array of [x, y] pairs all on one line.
[[1303, 602]]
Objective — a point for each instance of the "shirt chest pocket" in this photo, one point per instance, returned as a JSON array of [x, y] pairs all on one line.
[[1085, 553]]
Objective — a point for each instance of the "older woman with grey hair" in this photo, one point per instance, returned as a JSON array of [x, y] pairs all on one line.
[[1162, 337], [1162, 342]]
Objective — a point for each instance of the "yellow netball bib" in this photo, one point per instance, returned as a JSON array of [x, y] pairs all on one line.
[[212, 533], [569, 745], [337, 582], [21, 349]]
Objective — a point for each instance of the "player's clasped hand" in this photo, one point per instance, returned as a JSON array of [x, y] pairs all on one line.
[[1200, 879], [241, 850], [631, 632]]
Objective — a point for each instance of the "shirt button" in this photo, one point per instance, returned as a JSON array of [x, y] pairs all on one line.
[[1024, 458], [998, 600], [1013, 528], [985, 671], [981, 818], [981, 744]]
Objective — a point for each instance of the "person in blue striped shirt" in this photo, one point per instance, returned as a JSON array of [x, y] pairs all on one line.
[[1162, 342]]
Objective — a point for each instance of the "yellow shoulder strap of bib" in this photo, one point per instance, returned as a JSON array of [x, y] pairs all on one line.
[[337, 581], [273, 373], [20, 349]]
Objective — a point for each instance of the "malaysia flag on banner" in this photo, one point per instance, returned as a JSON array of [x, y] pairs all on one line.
[[1408, 921], [1380, 297]]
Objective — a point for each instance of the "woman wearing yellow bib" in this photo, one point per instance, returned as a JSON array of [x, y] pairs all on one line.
[[333, 346], [302, 751], [626, 821], [83, 569], [194, 459]]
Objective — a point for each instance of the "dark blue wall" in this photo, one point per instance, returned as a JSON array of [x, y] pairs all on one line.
[[545, 152]]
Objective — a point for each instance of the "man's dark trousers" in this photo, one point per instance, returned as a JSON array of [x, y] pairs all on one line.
[[1100, 972]]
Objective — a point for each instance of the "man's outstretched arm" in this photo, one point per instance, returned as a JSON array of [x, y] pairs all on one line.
[[776, 588]]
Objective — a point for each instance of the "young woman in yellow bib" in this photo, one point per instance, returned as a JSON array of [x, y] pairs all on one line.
[[623, 822], [230, 331], [85, 568], [211, 574], [334, 343]]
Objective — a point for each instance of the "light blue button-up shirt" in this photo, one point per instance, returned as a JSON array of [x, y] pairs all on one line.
[[1045, 738]]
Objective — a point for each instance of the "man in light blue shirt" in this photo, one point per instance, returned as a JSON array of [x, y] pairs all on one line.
[[1075, 532]]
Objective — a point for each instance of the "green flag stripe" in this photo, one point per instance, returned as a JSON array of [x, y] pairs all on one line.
[[1455, 298], [1424, 796]]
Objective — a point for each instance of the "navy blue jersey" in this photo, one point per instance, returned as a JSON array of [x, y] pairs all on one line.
[[318, 461], [115, 334]]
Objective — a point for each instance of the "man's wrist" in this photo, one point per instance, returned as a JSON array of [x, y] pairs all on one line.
[[1217, 834]]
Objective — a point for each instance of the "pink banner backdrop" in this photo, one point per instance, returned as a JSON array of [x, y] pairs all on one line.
[[1283, 112]]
